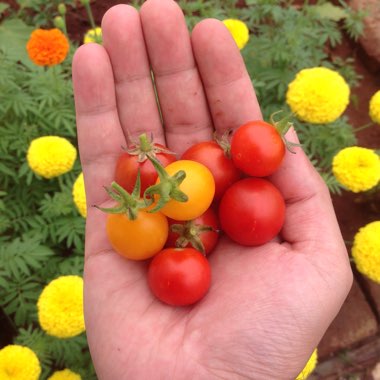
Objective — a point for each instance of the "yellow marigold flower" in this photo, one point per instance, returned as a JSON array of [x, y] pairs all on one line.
[[65, 374], [51, 156], [239, 31], [366, 251], [310, 366], [93, 35], [19, 363], [47, 47], [318, 95], [374, 107], [357, 168], [60, 307], [79, 195]]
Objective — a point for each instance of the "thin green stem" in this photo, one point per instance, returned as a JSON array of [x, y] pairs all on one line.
[[90, 15], [365, 126], [60, 182], [64, 26], [145, 145], [55, 72]]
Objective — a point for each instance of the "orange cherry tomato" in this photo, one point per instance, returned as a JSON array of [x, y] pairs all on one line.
[[137, 239], [199, 186]]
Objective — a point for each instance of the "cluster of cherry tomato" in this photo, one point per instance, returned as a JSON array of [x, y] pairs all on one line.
[[173, 211]]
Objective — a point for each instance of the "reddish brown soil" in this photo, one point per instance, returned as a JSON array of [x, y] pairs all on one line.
[[356, 210]]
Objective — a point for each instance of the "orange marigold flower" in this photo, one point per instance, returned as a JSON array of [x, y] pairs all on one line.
[[47, 47]]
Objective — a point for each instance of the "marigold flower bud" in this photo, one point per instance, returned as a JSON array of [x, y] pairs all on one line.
[[62, 9]]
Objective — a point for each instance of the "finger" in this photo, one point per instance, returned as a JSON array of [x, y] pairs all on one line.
[[136, 100], [100, 135], [182, 99], [231, 97], [310, 220]]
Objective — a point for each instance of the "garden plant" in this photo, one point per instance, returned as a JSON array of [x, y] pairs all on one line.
[[288, 49]]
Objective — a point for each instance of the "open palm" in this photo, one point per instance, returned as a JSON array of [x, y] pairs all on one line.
[[267, 307]]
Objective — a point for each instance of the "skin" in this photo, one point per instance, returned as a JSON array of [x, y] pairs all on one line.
[[268, 306]]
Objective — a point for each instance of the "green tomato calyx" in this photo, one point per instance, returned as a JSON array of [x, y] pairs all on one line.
[[166, 189], [189, 233], [282, 126], [144, 148], [128, 204], [224, 141]]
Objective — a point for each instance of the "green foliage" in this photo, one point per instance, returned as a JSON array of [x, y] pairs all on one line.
[[41, 12], [14, 34], [275, 52], [353, 23], [323, 141], [42, 234]]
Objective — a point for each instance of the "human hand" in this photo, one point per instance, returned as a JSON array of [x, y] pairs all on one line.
[[268, 306]]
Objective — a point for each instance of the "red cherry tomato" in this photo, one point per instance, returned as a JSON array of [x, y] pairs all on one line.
[[252, 211], [212, 155], [257, 148], [179, 276], [127, 167], [196, 233]]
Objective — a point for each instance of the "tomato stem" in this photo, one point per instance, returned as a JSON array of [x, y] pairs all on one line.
[[282, 126], [167, 188], [224, 142], [145, 144]]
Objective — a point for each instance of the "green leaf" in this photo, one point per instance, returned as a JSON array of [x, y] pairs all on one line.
[[330, 12], [14, 34], [3, 282], [3, 7], [25, 3]]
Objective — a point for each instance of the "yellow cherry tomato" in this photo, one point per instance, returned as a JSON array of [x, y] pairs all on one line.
[[137, 239], [199, 186]]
